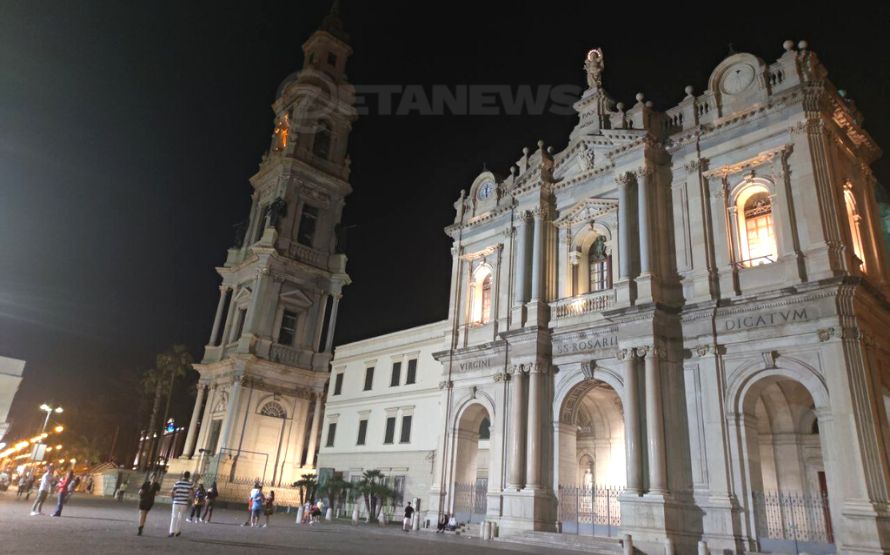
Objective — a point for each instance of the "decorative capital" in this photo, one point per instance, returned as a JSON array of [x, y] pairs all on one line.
[[624, 179], [643, 172], [624, 354], [826, 333], [703, 350], [446, 384], [501, 377]]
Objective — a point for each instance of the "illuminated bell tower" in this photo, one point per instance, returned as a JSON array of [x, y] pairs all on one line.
[[266, 364]]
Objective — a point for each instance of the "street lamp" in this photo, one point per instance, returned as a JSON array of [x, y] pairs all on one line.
[[49, 411]]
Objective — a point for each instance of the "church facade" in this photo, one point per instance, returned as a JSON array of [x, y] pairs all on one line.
[[674, 328], [266, 364]]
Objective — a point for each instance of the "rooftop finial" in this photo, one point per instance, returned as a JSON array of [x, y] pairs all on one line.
[[333, 24]]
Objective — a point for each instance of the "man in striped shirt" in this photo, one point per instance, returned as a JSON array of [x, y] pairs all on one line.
[[182, 494]]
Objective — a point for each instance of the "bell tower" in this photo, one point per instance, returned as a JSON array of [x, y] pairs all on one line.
[[266, 363]]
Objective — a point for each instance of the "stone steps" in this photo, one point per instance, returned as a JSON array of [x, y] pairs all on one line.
[[587, 544]]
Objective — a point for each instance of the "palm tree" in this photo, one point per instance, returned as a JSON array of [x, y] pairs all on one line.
[[173, 363], [373, 488], [335, 488], [307, 484]]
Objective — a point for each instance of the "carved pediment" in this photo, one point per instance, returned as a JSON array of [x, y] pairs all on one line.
[[586, 211], [297, 299]]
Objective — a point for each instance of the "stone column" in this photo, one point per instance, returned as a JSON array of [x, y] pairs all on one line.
[[230, 318], [537, 293], [634, 459], [231, 416], [332, 324], [643, 177], [519, 284], [313, 432], [319, 320], [623, 227], [193, 424], [257, 300], [535, 420], [205, 420], [654, 422], [217, 320], [517, 430]]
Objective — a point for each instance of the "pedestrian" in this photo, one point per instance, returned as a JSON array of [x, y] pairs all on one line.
[[198, 506], [406, 522], [23, 480], [269, 507], [443, 523], [63, 488], [256, 488], [119, 494], [147, 493], [452, 524], [182, 493], [29, 485], [47, 482], [257, 499], [212, 494], [90, 485]]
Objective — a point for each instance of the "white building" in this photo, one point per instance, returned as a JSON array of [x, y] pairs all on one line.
[[266, 364], [676, 327], [11, 371], [383, 410]]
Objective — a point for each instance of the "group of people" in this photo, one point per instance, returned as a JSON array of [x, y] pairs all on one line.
[[259, 504], [447, 523], [312, 512], [64, 487], [184, 495]]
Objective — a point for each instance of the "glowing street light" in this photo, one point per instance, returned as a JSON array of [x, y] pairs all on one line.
[[49, 411], [59, 429]]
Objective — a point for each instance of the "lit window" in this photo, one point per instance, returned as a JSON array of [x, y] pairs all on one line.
[[853, 219], [599, 265], [486, 299], [757, 239], [480, 295]]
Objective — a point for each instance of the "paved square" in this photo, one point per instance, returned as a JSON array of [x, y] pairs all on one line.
[[96, 525]]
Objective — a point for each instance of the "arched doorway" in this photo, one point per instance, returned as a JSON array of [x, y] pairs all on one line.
[[591, 466], [471, 456], [784, 458]]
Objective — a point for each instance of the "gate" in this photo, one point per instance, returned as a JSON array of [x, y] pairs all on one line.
[[471, 501], [593, 511], [793, 522]]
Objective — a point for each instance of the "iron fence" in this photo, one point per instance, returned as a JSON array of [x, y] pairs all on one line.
[[471, 501], [793, 516], [593, 510]]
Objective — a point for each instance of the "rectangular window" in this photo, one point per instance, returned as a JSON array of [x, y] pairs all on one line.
[[390, 435], [288, 329], [369, 378], [396, 374], [332, 59], [242, 315], [338, 384], [332, 431], [406, 430], [362, 431], [308, 221], [412, 372]]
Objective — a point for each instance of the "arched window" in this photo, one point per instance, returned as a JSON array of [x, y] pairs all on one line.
[[481, 295], [321, 146], [757, 239], [274, 410], [485, 429], [599, 265], [853, 219]]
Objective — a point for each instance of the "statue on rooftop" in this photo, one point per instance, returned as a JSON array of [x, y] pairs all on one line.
[[594, 65]]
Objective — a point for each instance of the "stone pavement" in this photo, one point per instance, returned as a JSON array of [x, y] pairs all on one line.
[[97, 526]]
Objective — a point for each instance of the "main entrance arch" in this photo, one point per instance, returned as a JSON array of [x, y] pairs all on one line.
[[471, 463], [591, 468], [783, 456]]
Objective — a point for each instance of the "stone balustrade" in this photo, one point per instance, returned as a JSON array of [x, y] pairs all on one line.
[[583, 304]]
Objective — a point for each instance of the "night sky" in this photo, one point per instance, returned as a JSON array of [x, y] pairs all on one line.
[[128, 132]]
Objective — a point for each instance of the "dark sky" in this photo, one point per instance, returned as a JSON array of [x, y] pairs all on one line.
[[128, 131]]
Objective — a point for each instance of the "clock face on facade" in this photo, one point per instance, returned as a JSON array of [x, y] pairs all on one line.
[[737, 78], [486, 190]]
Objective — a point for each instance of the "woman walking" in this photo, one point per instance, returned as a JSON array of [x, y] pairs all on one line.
[[147, 493], [269, 507], [198, 505], [212, 494], [66, 485]]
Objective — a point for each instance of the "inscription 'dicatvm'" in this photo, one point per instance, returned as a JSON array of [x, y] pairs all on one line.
[[769, 319]]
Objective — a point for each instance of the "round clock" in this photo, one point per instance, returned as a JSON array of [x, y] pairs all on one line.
[[486, 190], [737, 78]]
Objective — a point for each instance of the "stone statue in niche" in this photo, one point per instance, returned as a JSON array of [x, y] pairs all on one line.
[[594, 65], [598, 249], [277, 212]]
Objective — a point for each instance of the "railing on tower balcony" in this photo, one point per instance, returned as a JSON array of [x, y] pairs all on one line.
[[285, 355], [583, 304], [308, 255]]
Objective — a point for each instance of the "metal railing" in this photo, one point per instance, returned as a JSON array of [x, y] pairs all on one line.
[[471, 501], [793, 516], [589, 510]]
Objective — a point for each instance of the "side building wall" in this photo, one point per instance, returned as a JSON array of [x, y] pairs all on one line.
[[403, 428]]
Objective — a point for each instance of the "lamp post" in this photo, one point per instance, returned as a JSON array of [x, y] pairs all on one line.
[[49, 411]]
